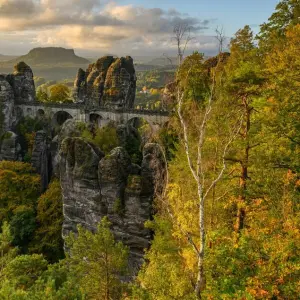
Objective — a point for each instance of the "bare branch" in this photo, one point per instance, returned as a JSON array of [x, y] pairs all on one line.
[[182, 31], [220, 36], [231, 139], [168, 58], [180, 96]]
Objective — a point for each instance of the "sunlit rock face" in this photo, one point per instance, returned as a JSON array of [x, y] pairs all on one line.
[[110, 82], [94, 186]]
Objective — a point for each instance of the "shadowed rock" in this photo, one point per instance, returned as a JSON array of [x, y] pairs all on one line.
[[10, 148], [6, 104], [41, 158], [95, 186]]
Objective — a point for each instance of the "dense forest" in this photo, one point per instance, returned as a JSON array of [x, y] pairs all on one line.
[[226, 225]]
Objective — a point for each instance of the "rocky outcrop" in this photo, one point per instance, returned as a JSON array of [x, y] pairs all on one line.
[[10, 148], [94, 186], [6, 104], [41, 158], [22, 83], [71, 128], [17, 87], [110, 82], [80, 185]]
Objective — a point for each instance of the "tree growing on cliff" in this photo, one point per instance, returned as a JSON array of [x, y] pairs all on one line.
[[196, 158], [97, 261], [47, 239]]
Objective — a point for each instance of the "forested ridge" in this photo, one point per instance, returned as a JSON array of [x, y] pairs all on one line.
[[226, 225]]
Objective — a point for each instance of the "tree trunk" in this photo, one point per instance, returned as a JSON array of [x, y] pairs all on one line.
[[241, 212], [200, 284]]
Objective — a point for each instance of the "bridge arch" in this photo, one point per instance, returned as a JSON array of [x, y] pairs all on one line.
[[40, 113], [143, 127], [29, 112], [96, 118], [60, 117]]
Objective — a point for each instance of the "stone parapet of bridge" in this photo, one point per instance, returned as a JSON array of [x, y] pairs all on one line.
[[83, 113]]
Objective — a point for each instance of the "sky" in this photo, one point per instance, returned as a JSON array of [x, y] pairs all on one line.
[[123, 27]]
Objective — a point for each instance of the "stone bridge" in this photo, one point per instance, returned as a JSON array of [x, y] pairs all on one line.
[[59, 113]]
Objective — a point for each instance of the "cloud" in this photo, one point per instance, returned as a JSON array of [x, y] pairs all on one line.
[[17, 8], [95, 24]]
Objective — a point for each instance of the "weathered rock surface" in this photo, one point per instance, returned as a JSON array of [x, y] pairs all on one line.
[[94, 186], [6, 104], [41, 158], [22, 83], [109, 82], [10, 148], [15, 88], [71, 128], [80, 185]]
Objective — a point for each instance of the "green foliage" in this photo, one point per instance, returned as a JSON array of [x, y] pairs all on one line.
[[133, 148], [7, 251], [118, 207], [165, 277], [24, 270], [22, 227], [257, 87], [193, 76], [105, 137], [19, 186], [26, 129], [59, 93], [47, 239], [287, 14], [29, 125], [97, 261], [42, 95]]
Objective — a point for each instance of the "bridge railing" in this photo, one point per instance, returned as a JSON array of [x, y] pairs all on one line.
[[89, 108]]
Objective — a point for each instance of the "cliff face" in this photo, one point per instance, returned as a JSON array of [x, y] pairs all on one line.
[[41, 157], [94, 186], [109, 82], [18, 86], [6, 104], [14, 88]]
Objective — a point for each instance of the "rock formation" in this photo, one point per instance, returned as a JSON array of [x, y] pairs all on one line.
[[94, 186], [110, 82], [19, 86], [10, 148], [6, 104], [41, 158], [14, 88], [22, 82]]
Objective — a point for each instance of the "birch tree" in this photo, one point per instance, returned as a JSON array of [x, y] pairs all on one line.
[[196, 160]]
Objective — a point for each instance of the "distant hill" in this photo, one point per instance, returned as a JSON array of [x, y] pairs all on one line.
[[163, 61], [50, 56], [6, 57]]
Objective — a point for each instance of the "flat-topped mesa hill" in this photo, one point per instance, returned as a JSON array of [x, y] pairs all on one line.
[[51, 56]]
